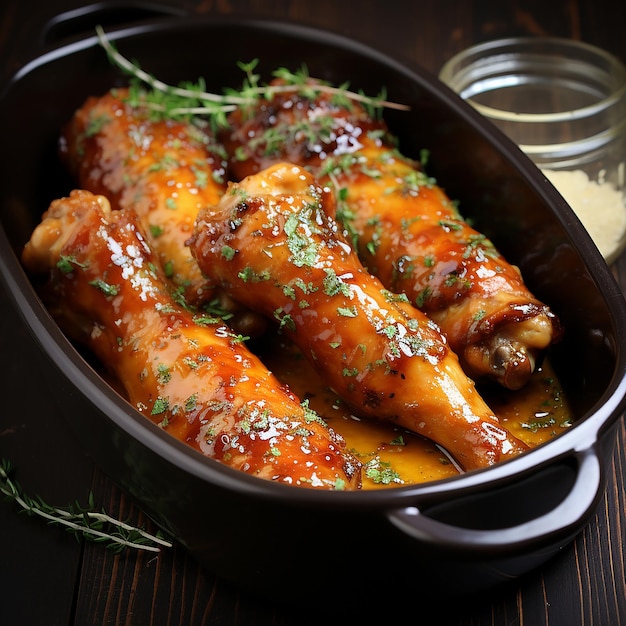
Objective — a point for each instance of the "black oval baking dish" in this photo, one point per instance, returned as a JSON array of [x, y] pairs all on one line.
[[458, 536]]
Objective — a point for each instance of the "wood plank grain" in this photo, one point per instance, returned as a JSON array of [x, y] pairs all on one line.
[[36, 560]]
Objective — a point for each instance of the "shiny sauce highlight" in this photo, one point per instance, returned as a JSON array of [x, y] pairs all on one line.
[[394, 457]]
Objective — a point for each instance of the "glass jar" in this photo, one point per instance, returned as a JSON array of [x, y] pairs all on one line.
[[564, 103]]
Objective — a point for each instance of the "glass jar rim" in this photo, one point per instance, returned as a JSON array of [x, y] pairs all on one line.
[[468, 73]]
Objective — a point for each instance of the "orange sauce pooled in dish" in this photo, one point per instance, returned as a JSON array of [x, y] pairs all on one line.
[[394, 457]]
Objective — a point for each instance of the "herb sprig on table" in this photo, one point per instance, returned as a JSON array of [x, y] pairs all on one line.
[[192, 99], [81, 521]]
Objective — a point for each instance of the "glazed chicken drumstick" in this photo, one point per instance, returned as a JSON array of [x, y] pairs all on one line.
[[406, 230], [162, 169], [273, 244], [187, 373]]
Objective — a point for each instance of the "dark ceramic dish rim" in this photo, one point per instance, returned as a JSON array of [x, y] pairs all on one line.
[[584, 434]]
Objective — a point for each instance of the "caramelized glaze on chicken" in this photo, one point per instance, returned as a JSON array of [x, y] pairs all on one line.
[[162, 169], [273, 243], [406, 230], [187, 373]]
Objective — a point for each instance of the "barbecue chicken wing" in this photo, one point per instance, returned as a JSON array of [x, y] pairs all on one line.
[[187, 373], [406, 230], [273, 244]]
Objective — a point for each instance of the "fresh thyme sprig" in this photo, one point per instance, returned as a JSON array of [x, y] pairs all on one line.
[[92, 525], [192, 99]]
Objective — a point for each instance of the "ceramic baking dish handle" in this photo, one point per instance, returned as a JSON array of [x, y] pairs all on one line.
[[81, 22], [565, 517]]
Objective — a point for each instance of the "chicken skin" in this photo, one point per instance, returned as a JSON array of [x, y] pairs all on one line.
[[405, 229], [164, 169], [273, 243], [186, 372]]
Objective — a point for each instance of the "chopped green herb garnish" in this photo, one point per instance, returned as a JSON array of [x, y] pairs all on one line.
[[106, 288]]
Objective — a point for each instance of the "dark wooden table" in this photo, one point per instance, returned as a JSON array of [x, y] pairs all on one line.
[[47, 577]]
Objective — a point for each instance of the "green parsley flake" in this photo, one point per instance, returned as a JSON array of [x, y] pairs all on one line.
[[333, 285], [191, 403], [160, 406], [163, 374], [228, 253], [168, 269], [249, 275], [156, 230], [286, 321], [96, 124], [347, 311], [381, 472], [303, 250], [106, 288], [66, 264]]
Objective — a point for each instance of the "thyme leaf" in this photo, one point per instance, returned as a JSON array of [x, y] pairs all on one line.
[[82, 521], [192, 99]]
